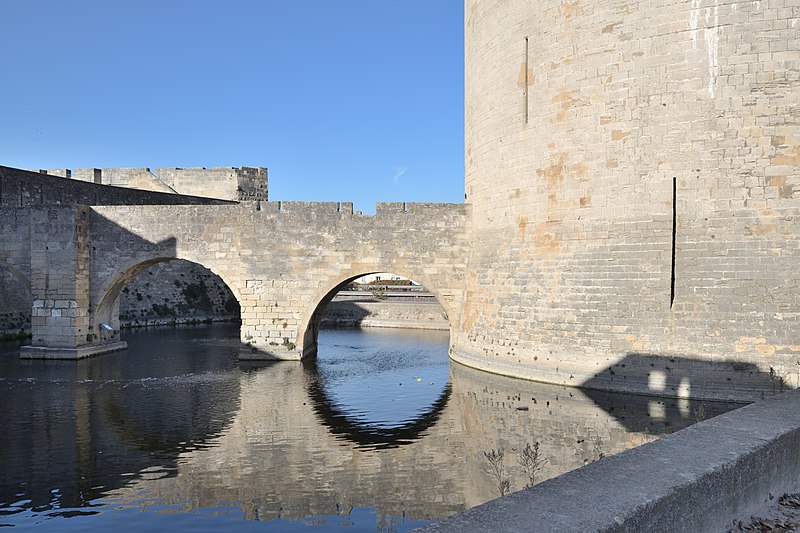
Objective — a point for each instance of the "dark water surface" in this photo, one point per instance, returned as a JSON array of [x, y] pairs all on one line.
[[379, 433]]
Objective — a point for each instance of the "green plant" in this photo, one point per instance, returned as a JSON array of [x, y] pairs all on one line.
[[163, 310], [19, 336], [196, 295]]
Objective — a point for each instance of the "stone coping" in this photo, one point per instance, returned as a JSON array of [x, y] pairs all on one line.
[[698, 479]]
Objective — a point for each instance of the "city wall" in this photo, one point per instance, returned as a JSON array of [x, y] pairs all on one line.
[[225, 183], [22, 188]]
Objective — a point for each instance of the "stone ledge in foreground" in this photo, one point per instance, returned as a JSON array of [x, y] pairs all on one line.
[[698, 479]]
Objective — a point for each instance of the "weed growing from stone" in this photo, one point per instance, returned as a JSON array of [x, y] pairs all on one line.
[[531, 461], [497, 469]]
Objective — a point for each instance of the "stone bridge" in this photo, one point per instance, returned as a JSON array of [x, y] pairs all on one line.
[[283, 261]]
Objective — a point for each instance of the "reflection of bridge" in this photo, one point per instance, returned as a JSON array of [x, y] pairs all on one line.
[[282, 260], [308, 466]]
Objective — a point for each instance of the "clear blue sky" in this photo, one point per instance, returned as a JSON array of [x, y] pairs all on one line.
[[348, 100]]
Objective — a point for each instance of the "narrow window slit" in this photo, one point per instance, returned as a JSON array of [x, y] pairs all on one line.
[[674, 233]]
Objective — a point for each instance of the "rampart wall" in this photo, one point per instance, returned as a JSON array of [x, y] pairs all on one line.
[[634, 175], [23, 188], [225, 183]]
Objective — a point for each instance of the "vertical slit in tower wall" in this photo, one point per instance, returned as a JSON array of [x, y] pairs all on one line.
[[674, 234], [525, 84]]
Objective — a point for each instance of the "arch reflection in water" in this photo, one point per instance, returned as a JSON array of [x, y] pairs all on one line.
[[276, 457], [74, 431], [382, 387]]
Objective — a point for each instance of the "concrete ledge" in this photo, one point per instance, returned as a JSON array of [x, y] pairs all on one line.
[[698, 479], [47, 352]]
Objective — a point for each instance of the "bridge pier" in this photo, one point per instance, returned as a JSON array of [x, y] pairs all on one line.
[[269, 327], [61, 325]]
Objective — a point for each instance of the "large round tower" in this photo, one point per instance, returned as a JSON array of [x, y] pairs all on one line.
[[633, 171]]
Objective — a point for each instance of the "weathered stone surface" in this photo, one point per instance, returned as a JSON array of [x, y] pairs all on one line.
[[354, 309], [282, 260], [176, 290], [571, 160]]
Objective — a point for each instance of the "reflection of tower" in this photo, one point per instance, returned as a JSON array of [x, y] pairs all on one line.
[[599, 168]]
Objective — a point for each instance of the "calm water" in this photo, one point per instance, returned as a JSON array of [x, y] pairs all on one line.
[[379, 433]]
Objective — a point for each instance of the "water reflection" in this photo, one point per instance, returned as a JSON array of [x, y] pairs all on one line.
[[73, 431], [380, 430], [367, 391]]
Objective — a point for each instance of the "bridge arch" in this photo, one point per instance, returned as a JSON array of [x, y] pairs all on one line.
[[108, 294], [309, 324]]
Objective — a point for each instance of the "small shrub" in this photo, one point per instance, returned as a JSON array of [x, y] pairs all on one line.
[[497, 470], [531, 461]]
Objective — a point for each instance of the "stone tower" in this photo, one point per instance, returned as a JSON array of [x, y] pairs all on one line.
[[633, 171]]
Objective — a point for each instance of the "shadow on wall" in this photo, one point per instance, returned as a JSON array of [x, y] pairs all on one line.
[[119, 256], [348, 314], [15, 302], [677, 382]]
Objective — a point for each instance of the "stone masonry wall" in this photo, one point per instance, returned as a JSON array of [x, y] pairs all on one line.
[[59, 259], [22, 188], [225, 183], [280, 259], [587, 123], [176, 291], [348, 310], [15, 270]]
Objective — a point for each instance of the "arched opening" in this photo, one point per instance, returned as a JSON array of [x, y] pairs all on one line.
[[16, 302], [165, 291], [374, 299], [381, 372]]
